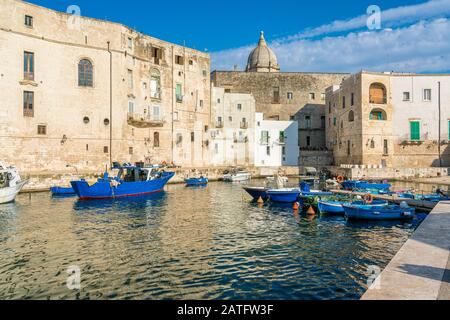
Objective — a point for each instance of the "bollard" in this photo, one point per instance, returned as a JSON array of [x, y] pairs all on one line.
[[310, 211]]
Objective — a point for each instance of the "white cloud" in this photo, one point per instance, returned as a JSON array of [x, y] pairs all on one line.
[[420, 46]]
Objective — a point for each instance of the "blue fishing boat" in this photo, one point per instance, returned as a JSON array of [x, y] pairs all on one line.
[[284, 195], [257, 192], [306, 191], [389, 212], [364, 185], [130, 181], [195, 182], [336, 207], [61, 191]]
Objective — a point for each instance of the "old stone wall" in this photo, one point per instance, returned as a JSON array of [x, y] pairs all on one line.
[[77, 119]]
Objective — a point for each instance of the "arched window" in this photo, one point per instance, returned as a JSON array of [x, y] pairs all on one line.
[[156, 139], [377, 93], [155, 84], [378, 114], [351, 116], [85, 73]]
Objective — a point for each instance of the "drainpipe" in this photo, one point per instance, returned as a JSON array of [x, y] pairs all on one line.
[[173, 107], [439, 135], [110, 105]]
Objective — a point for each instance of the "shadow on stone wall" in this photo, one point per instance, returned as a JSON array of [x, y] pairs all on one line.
[[445, 157]]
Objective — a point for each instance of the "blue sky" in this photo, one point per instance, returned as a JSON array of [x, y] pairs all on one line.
[[317, 35]]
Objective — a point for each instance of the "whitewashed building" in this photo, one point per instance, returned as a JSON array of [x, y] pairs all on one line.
[[232, 128], [276, 142]]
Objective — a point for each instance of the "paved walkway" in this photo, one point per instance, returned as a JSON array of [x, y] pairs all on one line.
[[421, 269]]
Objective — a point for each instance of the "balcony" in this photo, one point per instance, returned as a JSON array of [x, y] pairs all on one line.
[[28, 113], [179, 98], [28, 76], [219, 124], [155, 95], [377, 100], [244, 125], [145, 120]]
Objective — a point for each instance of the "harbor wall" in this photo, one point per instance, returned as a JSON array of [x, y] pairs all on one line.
[[43, 181], [363, 172]]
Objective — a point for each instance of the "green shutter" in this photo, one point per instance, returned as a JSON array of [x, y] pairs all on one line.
[[415, 130], [448, 129]]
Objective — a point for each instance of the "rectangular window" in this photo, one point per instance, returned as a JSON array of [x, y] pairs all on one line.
[[179, 139], [130, 106], [322, 122], [156, 113], [385, 147], [308, 122], [205, 73], [334, 121], [426, 94], [179, 60], [308, 141], [156, 139], [179, 93], [322, 96], [192, 136], [156, 55], [264, 137], [41, 129], [343, 102], [216, 148], [239, 107], [28, 65], [276, 95], [201, 103], [352, 99], [29, 21], [130, 79], [105, 149], [175, 116], [130, 150], [28, 104], [282, 137], [130, 43], [312, 96], [406, 96], [268, 151], [290, 96], [414, 130]]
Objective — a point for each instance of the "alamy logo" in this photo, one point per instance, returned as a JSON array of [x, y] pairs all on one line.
[[74, 279], [74, 21], [374, 19]]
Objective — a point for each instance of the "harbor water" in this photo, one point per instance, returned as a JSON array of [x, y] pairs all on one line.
[[187, 243]]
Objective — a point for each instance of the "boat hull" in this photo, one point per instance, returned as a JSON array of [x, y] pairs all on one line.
[[106, 190], [336, 207], [194, 182], [283, 196], [378, 213], [9, 194], [351, 184], [257, 192], [62, 191]]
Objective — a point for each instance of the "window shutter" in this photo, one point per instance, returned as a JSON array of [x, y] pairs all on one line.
[[415, 130]]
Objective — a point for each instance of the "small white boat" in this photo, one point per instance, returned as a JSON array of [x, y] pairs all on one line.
[[238, 176], [10, 183]]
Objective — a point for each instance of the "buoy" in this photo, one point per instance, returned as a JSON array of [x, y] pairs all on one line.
[[260, 200], [296, 206], [310, 211], [340, 179]]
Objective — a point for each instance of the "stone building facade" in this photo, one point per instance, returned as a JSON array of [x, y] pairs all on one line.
[[80, 92], [232, 128], [285, 96], [390, 120]]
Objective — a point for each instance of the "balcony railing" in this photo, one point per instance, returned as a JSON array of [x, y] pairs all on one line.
[[179, 98], [155, 94], [219, 124], [28, 76], [145, 120], [28, 112], [377, 100]]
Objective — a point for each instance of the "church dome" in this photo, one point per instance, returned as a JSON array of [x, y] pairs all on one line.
[[262, 58]]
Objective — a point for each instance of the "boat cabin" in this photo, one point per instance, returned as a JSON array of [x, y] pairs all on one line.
[[137, 173]]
